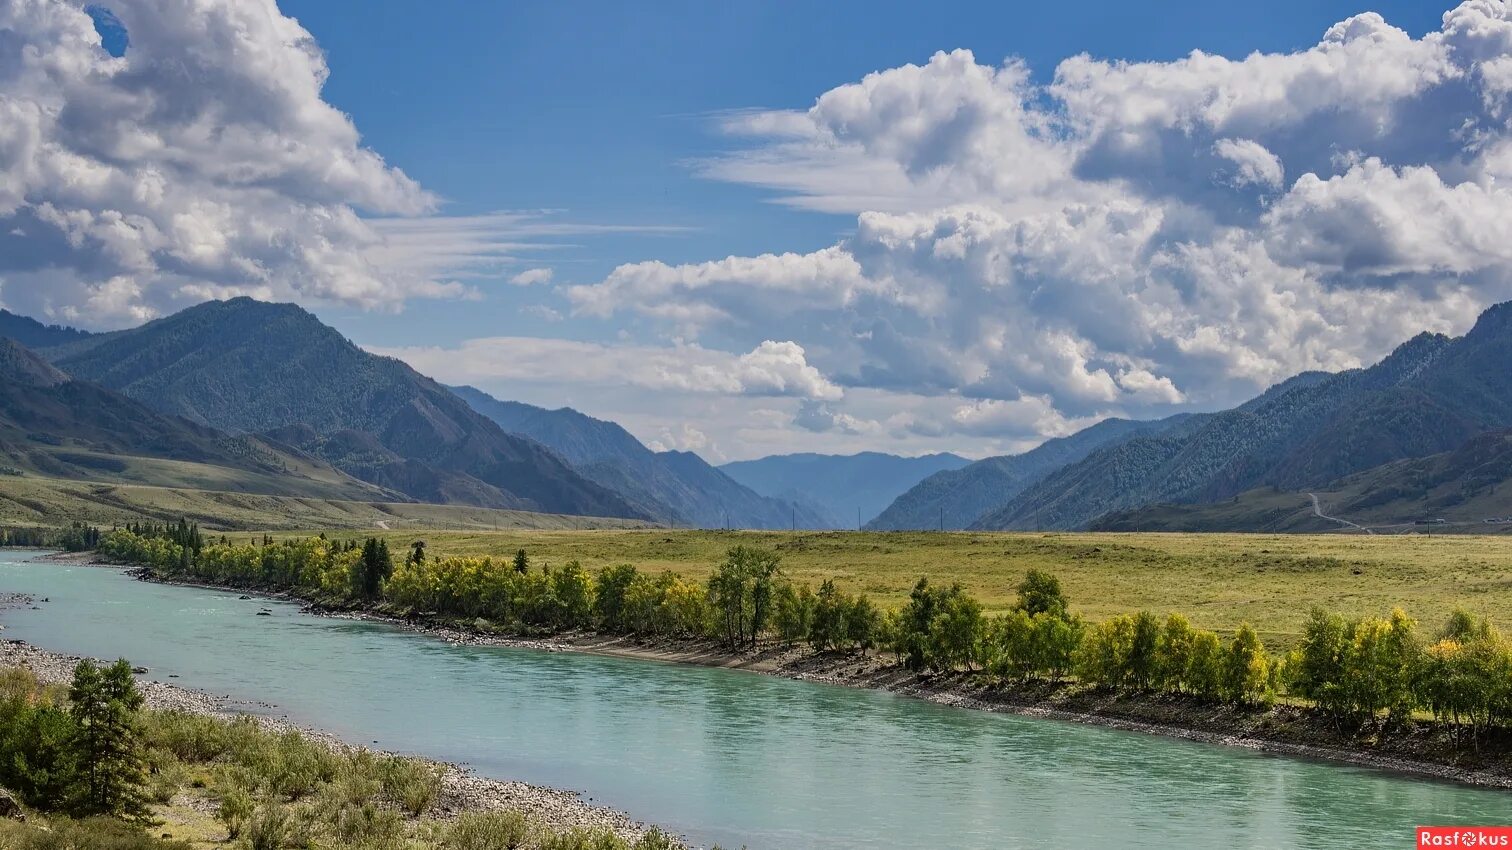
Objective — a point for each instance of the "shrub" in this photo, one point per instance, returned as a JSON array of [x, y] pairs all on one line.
[[269, 828], [412, 783], [235, 810], [488, 831]]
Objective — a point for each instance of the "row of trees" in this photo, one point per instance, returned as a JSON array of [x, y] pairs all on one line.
[[77, 537], [1353, 669], [82, 756]]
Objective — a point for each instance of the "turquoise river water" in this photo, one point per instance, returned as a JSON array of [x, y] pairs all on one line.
[[727, 756]]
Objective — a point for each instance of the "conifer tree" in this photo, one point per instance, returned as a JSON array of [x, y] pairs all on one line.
[[104, 705]]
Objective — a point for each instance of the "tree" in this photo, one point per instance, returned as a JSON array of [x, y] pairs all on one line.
[[1104, 656], [1379, 665], [957, 630], [741, 590], [827, 631], [793, 612], [1204, 676], [913, 626], [1012, 641], [611, 596], [1040, 593], [863, 623], [572, 589], [521, 562], [374, 568], [1244, 668], [1142, 663], [104, 705], [37, 740], [1174, 654], [1317, 672], [1056, 640]]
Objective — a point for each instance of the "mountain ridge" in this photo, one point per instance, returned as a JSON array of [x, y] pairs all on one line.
[[676, 487], [249, 366]]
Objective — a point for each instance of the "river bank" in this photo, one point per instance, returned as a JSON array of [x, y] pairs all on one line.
[[1425, 750], [461, 790]]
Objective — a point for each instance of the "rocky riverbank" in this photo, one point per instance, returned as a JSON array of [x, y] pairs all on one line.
[[461, 789]]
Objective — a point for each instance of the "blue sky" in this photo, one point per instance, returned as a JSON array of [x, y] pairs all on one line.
[[747, 229], [597, 109]]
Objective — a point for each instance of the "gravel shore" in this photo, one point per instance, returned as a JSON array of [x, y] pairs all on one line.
[[461, 789]]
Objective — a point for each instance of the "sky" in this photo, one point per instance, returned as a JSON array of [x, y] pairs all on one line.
[[751, 229]]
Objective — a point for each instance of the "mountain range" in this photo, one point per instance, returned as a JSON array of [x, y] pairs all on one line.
[[842, 488], [246, 366], [677, 488], [1430, 395], [954, 499], [246, 396], [54, 426]]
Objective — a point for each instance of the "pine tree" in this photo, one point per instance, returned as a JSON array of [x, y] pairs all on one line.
[[104, 705]]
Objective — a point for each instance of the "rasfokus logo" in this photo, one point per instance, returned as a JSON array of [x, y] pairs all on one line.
[[1464, 836]]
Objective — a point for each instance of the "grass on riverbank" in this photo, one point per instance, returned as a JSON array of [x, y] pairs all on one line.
[[1218, 580]]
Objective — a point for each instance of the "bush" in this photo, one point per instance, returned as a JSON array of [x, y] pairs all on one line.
[[412, 783], [269, 828], [488, 831]]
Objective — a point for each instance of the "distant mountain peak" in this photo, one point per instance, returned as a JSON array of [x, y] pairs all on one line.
[[19, 366]]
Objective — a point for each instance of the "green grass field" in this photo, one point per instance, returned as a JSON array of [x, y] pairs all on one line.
[[1219, 580], [29, 500]]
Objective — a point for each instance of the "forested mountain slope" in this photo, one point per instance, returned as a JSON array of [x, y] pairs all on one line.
[[33, 334], [1428, 396], [248, 366], [957, 498], [1465, 490], [52, 425]]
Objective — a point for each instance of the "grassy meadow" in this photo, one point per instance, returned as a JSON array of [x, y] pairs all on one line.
[[36, 501], [1218, 580]]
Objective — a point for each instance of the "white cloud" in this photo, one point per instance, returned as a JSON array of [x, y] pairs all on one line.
[[1132, 238], [205, 161], [1253, 164], [204, 157], [532, 277], [771, 369]]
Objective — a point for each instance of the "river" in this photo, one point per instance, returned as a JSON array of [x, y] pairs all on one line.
[[727, 756]]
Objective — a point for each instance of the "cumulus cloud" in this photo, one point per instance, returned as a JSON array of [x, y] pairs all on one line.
[[532, 277], [770, 369], [1130, 238], [203, 154]]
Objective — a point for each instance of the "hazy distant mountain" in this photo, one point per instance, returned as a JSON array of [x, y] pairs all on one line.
[[957, 498], [248, 366], [840, 485], [676, 487], [33, 334], [1430, 395], [58, 427]]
